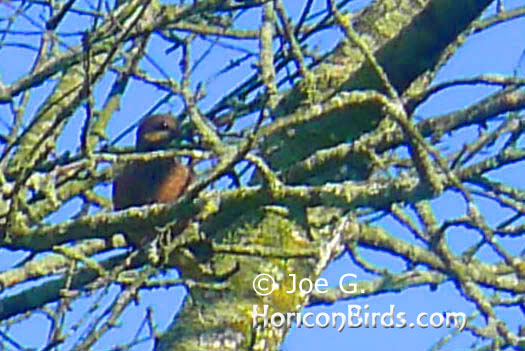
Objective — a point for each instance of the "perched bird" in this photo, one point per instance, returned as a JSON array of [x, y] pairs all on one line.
[[155, 181]]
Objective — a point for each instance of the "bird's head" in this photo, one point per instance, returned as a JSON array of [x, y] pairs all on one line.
[[156, 132]]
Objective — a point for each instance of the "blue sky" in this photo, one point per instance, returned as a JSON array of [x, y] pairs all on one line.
[[497, 50]]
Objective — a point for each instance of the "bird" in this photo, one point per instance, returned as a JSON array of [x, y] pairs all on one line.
[[161, 180]]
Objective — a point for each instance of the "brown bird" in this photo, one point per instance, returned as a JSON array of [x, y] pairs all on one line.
[[156, 181]]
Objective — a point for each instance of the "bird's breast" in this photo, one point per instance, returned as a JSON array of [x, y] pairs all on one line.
[[171, 183], [161, 181]]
